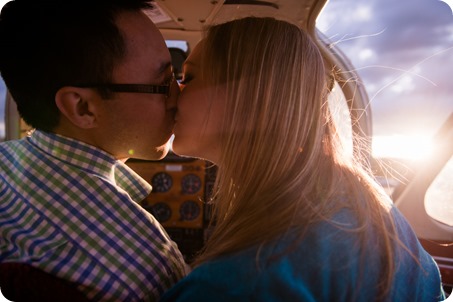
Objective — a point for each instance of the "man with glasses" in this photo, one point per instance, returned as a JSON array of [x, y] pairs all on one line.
[[95, 81]]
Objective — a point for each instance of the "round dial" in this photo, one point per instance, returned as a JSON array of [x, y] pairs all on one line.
[[161, 211], [161, 182], [190, 184], [189, 210]]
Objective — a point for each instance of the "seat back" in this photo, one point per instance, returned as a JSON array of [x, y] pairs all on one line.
[[23, 282]]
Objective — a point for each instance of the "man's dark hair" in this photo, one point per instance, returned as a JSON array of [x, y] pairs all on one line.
[[46, 45]]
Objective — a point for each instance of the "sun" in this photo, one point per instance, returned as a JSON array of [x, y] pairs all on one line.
[[405, 147]]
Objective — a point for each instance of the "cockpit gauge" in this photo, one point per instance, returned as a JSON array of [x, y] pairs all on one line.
[[189, 210], [190, 184], [161, 211], [161, 182]]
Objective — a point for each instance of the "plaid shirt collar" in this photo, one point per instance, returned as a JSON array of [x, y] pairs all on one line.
[[92, 160]]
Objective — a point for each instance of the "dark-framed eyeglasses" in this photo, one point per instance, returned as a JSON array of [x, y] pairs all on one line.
[[135, 88]]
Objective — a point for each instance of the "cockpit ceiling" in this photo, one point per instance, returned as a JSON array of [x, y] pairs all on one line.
[[193, 15]]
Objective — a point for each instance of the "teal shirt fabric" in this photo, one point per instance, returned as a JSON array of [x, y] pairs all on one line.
[[324, 266]]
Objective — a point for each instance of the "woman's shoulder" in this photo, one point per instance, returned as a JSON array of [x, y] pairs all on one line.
[[293, 267]]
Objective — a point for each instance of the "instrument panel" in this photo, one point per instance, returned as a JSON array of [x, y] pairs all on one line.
[[177, 198], [181, 187]]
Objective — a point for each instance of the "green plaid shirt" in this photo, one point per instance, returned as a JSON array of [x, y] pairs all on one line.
[[71, 210]]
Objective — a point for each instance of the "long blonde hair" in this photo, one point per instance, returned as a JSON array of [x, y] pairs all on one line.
[[282, 164]]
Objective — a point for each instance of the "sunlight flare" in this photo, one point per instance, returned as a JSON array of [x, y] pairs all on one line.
[[411, 147]]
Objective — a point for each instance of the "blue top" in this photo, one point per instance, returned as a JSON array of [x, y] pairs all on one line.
[[324, 266], [71, 210]]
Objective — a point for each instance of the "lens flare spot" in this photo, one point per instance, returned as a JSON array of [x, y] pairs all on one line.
[[131, 152]]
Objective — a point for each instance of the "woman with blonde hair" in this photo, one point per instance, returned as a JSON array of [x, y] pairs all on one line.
[[295, 218]]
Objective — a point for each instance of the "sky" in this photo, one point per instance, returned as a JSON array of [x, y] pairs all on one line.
[[403, 51]]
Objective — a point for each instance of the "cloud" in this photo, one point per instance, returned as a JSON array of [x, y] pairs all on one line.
[[394, 27], [403, 51]]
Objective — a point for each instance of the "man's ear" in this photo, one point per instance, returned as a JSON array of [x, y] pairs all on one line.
[[77, 105]]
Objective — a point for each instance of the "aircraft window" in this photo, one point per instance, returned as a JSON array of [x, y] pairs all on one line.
[[181, 44], [178, 51], [2, 109], [406, 77], [440, 194], [404, 65]]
